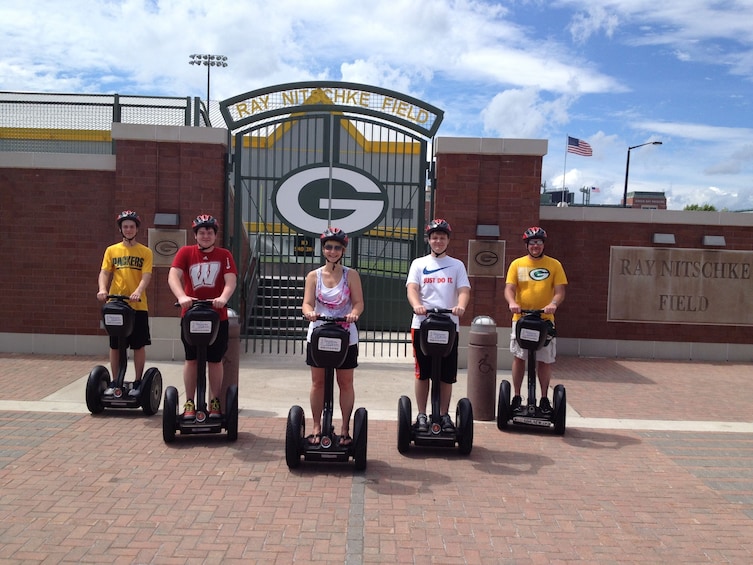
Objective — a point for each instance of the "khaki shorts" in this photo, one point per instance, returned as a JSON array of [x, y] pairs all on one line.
[[546, 354]]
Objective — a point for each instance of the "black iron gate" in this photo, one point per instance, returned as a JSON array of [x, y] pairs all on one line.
[[322, 163]]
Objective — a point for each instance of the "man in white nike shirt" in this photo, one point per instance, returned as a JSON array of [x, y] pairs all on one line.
[[436, 281]]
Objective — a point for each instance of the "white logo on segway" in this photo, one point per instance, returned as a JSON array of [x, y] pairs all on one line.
[[312, 199], [330, 344], [114, 320], [200, 327], [527, 334], [440, 337]]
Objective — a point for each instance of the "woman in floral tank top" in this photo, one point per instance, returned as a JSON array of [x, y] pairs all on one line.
[[333, 290]]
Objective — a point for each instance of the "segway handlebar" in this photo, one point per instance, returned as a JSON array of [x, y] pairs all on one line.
[[196, 302], [528, 311], [121, 297], [439, 310], [324, 318]]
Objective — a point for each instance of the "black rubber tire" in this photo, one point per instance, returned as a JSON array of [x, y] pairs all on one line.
[[360, 438], [503, 405], [294, 435], [151, 391], [169, 414], [404, 419], [96, 384], [464, 426], [560, 409], [231, 412]]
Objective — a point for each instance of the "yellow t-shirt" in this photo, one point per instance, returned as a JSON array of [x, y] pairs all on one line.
[[128, 265], [534, 281]]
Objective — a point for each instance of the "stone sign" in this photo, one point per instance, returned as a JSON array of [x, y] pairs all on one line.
[[680, 286], [486, 258]]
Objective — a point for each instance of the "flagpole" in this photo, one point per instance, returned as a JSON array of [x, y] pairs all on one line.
[[564, 168]]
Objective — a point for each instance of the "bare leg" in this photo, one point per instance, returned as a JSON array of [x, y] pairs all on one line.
[[139, 360], [422, 395], [216, 373], [347, 397], [544, 371], [114, 362], [518, 368], [316, 398], [445, 395], [189, 378]]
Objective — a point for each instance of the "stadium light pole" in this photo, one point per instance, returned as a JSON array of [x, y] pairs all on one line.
[[627, 168], [208, 61]]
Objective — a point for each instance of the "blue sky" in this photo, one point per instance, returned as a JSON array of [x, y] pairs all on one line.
[[615, 73]]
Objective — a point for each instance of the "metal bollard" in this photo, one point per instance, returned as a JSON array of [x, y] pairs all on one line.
[[231, 359], [482, 367]]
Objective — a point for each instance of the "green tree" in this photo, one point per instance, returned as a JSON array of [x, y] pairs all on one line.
[[701, 207]]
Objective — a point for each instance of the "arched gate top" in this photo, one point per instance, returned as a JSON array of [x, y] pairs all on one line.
[[329, 96]]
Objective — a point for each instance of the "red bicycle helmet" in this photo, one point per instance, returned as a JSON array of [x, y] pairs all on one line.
[[534, 232], [438, 224], [334, 233], [128, 215], [205, 221]]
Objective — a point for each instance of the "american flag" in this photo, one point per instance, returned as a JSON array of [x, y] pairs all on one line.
[[595, 189], [578, 146]]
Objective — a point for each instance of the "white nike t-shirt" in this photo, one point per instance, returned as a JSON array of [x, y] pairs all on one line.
[[438, 280]]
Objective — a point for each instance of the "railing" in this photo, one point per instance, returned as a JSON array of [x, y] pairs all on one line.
[[81, 123]]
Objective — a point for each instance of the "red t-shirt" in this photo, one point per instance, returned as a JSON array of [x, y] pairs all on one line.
[[204, 272]]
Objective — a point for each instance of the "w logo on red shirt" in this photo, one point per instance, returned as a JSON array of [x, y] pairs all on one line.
[[205, 274]]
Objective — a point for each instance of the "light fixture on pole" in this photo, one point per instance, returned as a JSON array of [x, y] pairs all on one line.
[[627, 168], [208, 61]]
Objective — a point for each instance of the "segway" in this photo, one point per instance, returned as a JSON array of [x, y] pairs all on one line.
[[532, 333], [101, 392], [437, 339], [200, 326], [329, 348]]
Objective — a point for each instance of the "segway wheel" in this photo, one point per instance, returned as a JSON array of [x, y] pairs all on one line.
[[503, 405], [464, 426], [95, 386], [560, 409], [151, 392], [294, 434], [403, 424], [169, 414], [231, 412], [360, 438]]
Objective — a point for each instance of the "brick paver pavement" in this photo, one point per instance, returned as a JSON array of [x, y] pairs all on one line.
[[107, 489]]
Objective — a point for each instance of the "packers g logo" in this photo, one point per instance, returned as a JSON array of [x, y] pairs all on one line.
[[312, 198], [539, 274]]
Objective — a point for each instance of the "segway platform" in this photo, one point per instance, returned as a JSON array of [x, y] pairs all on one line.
[[101, 391], [200, 326], [532, 333], [438, 334], [329, 348]]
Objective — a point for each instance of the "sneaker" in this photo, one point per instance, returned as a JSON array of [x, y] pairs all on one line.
[[189, 409], [517, 403], [447, 425], [214, 408], [135, 389], [544, 406], [110, 390], [422, 423]]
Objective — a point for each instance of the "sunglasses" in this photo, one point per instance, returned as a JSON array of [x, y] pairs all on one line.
[[333, 247], [535, 242]]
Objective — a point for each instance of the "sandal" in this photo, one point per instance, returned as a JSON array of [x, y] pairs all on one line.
[[346, 440], [314, 439]]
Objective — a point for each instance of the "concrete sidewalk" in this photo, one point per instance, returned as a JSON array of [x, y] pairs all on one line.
[[656, 466]]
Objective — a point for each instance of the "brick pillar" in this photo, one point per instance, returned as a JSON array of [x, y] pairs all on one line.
[[492, 182]]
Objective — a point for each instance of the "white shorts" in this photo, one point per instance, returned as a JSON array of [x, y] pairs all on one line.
[[546, 354]]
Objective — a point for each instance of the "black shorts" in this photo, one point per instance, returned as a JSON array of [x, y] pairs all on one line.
[[351, 359], [216, 351], [140, 336], [449, 372]]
